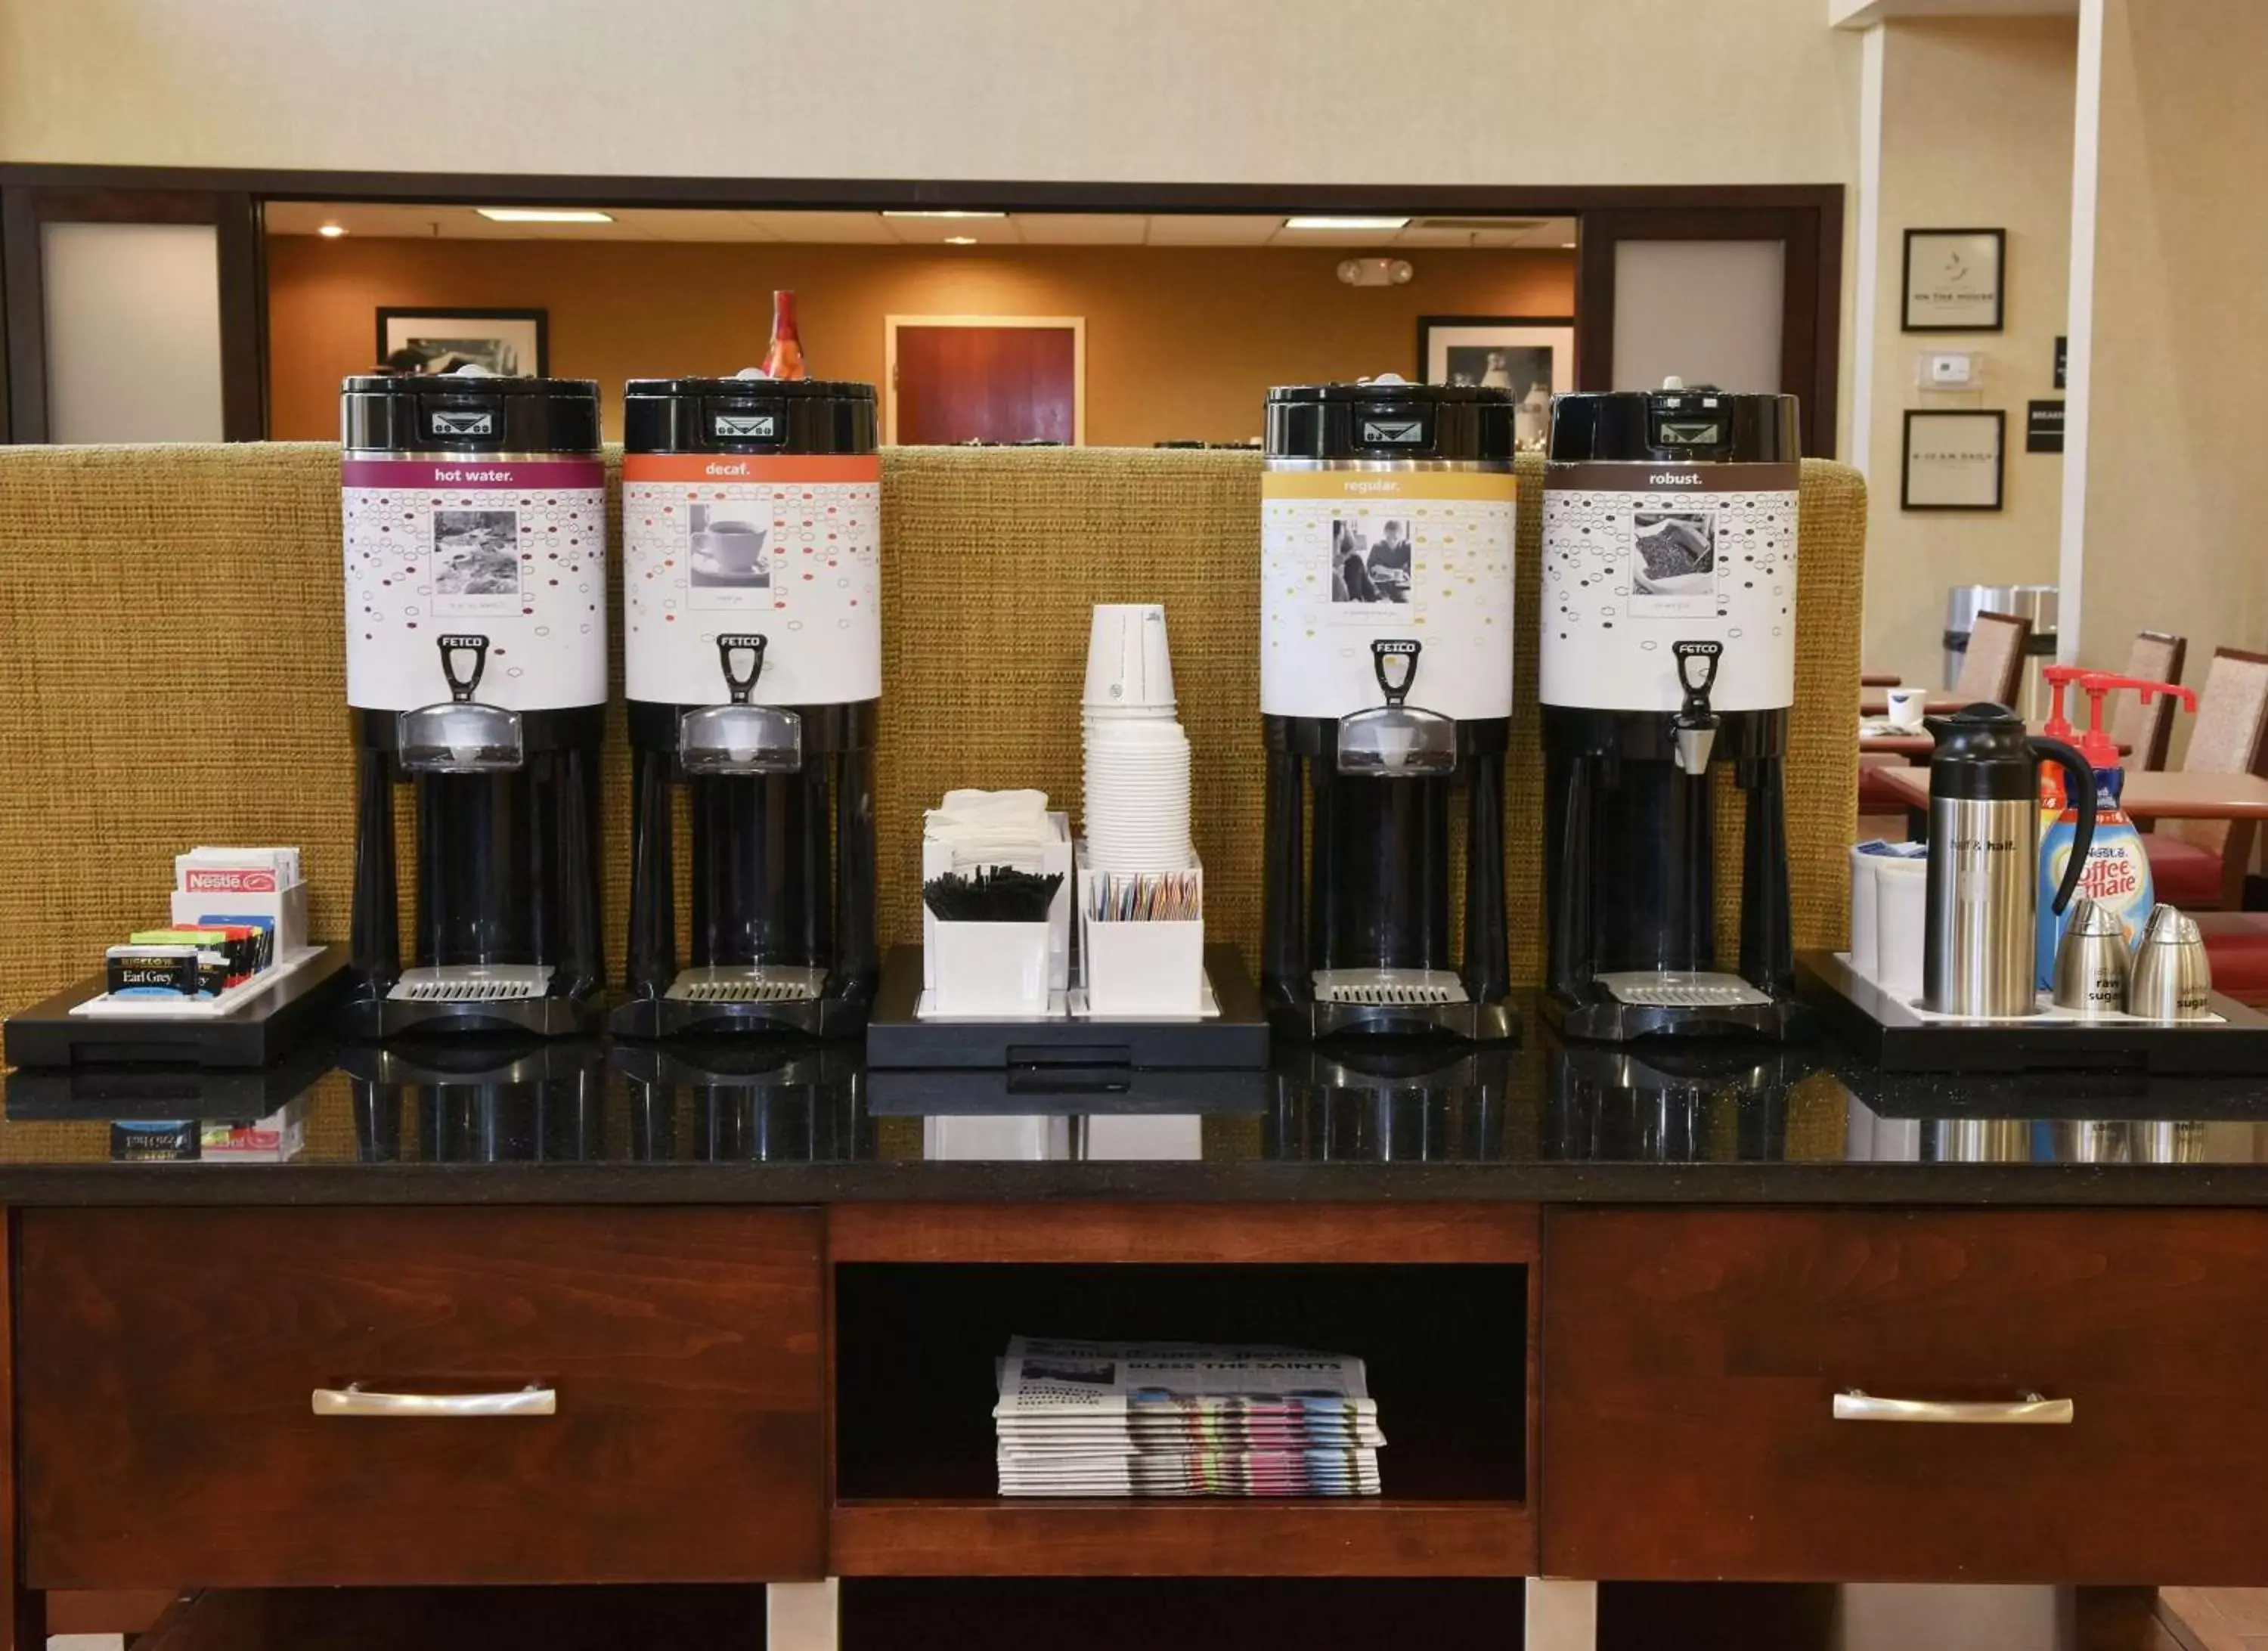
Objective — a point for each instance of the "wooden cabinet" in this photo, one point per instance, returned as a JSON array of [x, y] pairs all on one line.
[[167, 1361], [1691, 1360]]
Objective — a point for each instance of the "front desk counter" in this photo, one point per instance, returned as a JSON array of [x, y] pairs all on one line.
[[574, 1313]]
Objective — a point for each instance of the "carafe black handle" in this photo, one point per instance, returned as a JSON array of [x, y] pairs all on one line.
[[752, 645], [1386, 655], [2082, 792]]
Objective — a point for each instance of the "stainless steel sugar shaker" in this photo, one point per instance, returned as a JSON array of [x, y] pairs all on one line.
[[2091, 963], [2173, 978]]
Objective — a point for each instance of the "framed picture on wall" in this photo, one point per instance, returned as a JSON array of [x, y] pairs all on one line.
[[1533, 356], [1955, 280], [1953, 459], [507, 342]]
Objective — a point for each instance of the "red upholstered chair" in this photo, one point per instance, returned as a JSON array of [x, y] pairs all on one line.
[[2201, 863], [1991, 669], [2236, 942]]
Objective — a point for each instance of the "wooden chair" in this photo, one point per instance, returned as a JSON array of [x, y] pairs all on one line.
[[2144, 730], [2202, 863], [1992, 668]]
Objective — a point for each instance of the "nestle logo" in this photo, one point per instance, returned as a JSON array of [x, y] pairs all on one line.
[[1674, 478]]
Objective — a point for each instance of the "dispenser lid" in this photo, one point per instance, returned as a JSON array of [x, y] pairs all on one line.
[[1390, 418], [751, 415], [468, 412], [1677, 423]]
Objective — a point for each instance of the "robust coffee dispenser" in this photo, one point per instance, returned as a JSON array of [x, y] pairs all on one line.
[[1668, 651], [475, 518], [752, 656], [1386, 653]]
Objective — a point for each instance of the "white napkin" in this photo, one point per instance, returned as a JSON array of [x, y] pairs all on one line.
[[990, 826]]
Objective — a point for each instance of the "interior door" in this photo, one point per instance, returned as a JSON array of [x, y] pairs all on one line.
[[1744, 297], [978, 379]]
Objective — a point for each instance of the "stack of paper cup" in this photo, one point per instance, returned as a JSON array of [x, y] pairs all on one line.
[[1137, 758]]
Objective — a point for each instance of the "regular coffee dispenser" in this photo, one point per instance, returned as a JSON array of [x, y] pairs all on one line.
[[1386, 649], [752, 651], [475, 527]]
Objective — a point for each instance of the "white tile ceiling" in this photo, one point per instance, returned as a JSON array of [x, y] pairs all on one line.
[[1034, 229]]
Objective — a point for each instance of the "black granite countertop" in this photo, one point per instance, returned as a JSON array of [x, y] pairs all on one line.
[[765, 1122]]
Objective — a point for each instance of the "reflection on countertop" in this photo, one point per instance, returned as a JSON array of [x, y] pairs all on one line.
[[1543, 1119]]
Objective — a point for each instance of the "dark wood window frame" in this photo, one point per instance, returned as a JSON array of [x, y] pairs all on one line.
[[1809, 217]]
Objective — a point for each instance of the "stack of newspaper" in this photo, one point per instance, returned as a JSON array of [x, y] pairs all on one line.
[[1169, 1418]]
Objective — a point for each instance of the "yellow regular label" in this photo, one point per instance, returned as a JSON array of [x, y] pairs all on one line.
[[1497, 485]]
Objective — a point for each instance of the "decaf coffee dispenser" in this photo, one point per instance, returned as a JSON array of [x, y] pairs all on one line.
[[753, 654], [475, 518], [1668, 651], [1386, 649]]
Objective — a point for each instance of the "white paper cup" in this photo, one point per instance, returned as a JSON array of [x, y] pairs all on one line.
[[1907, 706], [1865, 905], [1128, 668], [1901, 920]]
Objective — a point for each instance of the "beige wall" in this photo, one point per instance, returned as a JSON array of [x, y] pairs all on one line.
[[1182, 343], [1977, 131], [2173, 537], [1252, 90]]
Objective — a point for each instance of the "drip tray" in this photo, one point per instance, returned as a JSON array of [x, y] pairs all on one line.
[[1679, 989], [749, 983], [473, 982], [1389, 988]]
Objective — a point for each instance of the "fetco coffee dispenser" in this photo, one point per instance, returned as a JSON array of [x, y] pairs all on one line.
[[1385, 641], [1667, 649], [751, 648], [477, 667]]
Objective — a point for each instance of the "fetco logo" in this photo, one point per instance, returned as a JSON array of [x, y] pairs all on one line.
[[464, 424], [1673, 478], [478, 645]]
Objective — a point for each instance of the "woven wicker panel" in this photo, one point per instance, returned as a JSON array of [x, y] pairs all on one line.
[[171, 655]]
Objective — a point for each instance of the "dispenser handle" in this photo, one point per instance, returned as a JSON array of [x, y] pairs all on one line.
[[752, 645], [1696, 713], [1396, 685], [2082, 793], [460, 688]]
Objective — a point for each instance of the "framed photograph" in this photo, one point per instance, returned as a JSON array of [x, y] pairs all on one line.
[[1533, 356], [1953, 459], [507, 342], [1955, 280]]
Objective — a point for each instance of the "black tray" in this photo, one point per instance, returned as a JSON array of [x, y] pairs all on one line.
[[141, 1091], [1235, 1039], [256, 1033], [1880, 1027]]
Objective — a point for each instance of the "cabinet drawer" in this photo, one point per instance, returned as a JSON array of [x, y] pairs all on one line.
[[167, 1361], [1691, 1362]]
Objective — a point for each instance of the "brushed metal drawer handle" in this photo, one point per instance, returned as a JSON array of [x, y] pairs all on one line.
[[2030, 1411], [354, 1399]]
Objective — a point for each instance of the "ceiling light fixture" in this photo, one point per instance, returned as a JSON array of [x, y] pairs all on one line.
[[1567, 246], [544, 215], [961, 240], [332, 231], [1346, 223], [911, 212]]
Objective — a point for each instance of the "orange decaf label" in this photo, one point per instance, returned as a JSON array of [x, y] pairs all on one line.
[[751, 467]]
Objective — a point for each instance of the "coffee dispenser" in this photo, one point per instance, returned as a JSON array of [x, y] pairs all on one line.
[[1386, 654], [752, 652], [475, 518], [1667, 653]]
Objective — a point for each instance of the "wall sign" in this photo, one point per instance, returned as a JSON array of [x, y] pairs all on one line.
[[1953, 280], [1953, 459], [2043, 426], [2063, 354]]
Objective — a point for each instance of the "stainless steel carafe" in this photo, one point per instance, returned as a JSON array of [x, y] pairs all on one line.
[[1980, 956]]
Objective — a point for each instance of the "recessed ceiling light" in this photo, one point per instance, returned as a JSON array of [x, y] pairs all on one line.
[[961, 240], [1567, 246], [908, 212], [332, 231], [542, 215], [1345, 222]]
